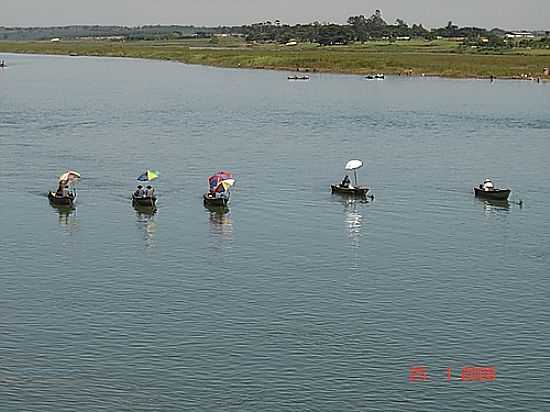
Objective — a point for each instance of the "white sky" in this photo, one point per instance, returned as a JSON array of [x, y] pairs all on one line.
[[506, 14]]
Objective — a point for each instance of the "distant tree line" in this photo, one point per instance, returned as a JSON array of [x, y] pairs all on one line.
[[358, 29]]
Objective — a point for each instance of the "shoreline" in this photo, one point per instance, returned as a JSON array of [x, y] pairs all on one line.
[[330, 61]]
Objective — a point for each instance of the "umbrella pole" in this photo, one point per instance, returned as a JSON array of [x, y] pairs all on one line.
[[355, 175]]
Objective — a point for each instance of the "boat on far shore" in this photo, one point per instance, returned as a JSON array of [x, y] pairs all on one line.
[[298, 77], [376, 76]]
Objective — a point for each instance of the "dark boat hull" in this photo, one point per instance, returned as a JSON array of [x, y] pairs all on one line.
[[214, 202], [144, 202], [61, 201], [360, 191], [498, 194]]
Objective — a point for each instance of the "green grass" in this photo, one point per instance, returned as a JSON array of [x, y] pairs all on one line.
[[439, 58]]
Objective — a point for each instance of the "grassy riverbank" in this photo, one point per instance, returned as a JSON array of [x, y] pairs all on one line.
[[437, 58]]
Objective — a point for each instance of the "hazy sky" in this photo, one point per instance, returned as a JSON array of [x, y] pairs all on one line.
[[507, 14]]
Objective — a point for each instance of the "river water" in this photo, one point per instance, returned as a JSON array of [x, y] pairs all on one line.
[[295, 299]]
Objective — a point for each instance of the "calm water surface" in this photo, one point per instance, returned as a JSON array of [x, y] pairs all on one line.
[[295, 300]]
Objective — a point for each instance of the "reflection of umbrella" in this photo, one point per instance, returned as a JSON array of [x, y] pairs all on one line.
[[69, 176], [221, 181], [354, 165], [148, 176]]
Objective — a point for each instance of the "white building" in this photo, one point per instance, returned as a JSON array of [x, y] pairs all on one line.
[[520, 35]]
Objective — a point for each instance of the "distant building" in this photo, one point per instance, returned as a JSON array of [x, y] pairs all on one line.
[[225, 35], [403, 38], [519, 35], [111, 38]]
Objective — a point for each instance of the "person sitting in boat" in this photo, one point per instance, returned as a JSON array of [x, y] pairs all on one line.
[[139, 191], [488, 185], [66, 192], [60, 189], [345, 182], [221, 195], [149, 191]]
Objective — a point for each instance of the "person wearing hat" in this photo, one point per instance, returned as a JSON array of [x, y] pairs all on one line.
[[149, 191], [345, 182], [488, 185], [139, 192]]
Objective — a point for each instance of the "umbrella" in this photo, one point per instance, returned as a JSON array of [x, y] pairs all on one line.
[[221, 181], [354, 165], [69, 176], [148, 175]]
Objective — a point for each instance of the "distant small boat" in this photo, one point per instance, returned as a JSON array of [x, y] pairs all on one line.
[[346, 188], [378, 76], [65, 201], [487, 190], [64, 196], [3, 64], [496, 194], [219, 189], [360, 191], [144, 202], [298, 77], [145, 198]]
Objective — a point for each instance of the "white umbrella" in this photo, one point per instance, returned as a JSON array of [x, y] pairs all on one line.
[[354, 165]]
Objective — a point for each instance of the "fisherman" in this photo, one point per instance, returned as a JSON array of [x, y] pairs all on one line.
[[149, 191], [139, 191], [60, 189], [345, 182], [488, 185], [66, 192]]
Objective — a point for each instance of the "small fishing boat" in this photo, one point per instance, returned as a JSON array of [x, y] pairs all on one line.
[[377, 76], [145, 198], [62, 201], [218, 194], [298, 77], [210, 200], [487, 190], [346, 188], [360, 191], [496, 194], [65, 195], [144, 202]]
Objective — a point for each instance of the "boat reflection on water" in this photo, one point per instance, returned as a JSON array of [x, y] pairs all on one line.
[[145, 219], [219, 222], [67, 217], [494, 206]]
